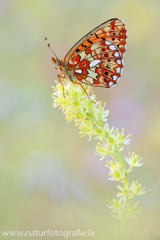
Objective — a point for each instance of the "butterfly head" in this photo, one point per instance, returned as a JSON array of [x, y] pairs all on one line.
[[57, 63]]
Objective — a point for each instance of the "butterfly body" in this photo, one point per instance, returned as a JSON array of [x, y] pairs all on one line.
[[97, 59], [63, 70]]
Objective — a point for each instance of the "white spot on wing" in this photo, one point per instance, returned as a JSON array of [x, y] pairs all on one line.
[[78, 71], [118, 70], [112, 47], [94, 63], [114, 77], [110, 84], [107, 42], [118, 61], [116, 54]]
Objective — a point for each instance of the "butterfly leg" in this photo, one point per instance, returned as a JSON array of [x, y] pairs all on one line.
[[83, 89], [60, 77]]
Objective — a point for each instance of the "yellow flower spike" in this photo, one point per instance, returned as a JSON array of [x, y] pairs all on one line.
[[91, 117], [117, 130], [55, 81], [133, 154]]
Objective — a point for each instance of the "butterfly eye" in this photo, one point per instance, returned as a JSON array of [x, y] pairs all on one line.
[[57, 63]]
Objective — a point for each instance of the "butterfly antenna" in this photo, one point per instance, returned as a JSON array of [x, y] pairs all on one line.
[[49, 45]]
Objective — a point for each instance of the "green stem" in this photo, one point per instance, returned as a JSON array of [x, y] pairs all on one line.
[[93, 119], [117, 153], [121, 162]]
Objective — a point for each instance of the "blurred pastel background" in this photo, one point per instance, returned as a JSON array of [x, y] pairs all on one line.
[[49, 176]]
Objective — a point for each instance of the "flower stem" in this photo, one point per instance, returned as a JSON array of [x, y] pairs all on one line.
[[116, 151], [121, 162], [91, 118], [94, 119]]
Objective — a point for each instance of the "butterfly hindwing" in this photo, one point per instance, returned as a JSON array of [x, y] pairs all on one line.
[[97, 58], [98, 65]]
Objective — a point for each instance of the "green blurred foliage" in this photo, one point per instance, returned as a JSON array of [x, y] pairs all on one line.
[[49, 176]]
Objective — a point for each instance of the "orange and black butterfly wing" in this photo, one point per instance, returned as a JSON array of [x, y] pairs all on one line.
[[97, 58], [98, 65]]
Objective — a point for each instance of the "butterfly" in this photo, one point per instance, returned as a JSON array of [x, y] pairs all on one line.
[[97, 58]]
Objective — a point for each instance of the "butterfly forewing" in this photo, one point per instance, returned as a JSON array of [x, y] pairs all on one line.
[[113, 30], [97, 58]]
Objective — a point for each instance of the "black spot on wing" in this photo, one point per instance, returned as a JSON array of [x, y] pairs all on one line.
[[89, 41], [83, 45], [96, 35]]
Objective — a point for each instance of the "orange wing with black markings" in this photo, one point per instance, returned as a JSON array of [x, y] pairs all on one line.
[[97, 58]]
